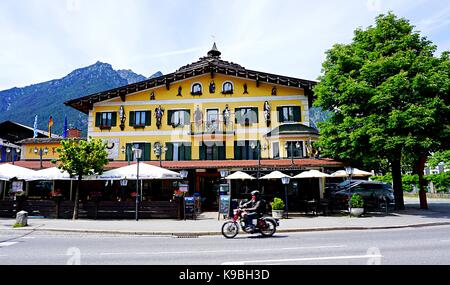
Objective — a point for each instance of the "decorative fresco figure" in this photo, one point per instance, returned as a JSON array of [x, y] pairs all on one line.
[[245, 88], [159, 112], [122, 118], [274, 91], [179, 91], [198, 117], [226, 115], [152, 96], [267, 113], [212, 87]]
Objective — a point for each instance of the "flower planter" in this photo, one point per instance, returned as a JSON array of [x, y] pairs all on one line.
[[277, 214], [356, 212]]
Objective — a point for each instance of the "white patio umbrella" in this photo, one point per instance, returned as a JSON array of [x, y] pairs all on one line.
[[239, 175], [356, 173], [146, 171], [312, 174], [9, 171], [275, 175], [52, 173]]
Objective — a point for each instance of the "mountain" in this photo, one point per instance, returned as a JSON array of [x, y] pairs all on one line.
[[47, 99]]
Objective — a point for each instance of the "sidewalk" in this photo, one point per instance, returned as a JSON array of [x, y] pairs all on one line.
[[208, 224]]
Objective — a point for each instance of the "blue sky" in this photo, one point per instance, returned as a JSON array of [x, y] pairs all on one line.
[[46, 39]]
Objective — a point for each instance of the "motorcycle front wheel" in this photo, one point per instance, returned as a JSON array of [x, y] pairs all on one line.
[[230, 229]]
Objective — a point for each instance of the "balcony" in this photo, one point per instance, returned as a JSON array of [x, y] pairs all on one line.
[[212, 127]]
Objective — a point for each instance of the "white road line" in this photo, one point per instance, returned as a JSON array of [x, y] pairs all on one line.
[[302, 259], [445, 240], [28, 237], [222, 251], [8, 243]]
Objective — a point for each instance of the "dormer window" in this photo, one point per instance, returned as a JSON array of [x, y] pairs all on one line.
[[196, 89], [227, 87]]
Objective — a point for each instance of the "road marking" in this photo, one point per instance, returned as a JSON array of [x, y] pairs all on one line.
[[8, 243], [302, 259], [222, 251], [28, 237], [445, 240]]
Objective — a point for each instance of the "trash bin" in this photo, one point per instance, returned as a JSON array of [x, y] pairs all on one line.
[[22, 219]]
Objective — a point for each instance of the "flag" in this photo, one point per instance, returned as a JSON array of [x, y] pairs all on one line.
[[50, 124], [35, 133], [65, 128]]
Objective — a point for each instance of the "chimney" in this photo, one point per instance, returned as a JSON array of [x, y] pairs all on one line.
[[73, 133]]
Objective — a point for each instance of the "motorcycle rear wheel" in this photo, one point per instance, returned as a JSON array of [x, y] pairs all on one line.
[[230, 229], [270, 229]]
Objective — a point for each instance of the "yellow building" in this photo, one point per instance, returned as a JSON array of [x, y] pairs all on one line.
[[207, 116]]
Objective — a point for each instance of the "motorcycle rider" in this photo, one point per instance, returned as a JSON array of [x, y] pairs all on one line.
[[255, 208]]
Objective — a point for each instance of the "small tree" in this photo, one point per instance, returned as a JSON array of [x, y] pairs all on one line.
[[79, 158]]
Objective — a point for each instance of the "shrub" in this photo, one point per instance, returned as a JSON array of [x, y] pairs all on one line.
[[277, 204], [356, 201]]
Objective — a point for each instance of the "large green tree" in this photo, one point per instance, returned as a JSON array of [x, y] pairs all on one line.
[[388, 95], [80, 158]]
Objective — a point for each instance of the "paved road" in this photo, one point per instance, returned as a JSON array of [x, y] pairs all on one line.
[[401, 246]]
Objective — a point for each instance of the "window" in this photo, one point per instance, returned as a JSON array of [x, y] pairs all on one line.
[[227, 87], [212, 151], [178, 151], [145, 151], [295, 147], [140, 118], [243, 150], [105, 119], [178, 118], [289, 114], [196, 89], [246, 116], [212, 119], [276, 150]]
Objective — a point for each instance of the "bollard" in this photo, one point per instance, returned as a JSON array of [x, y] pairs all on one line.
[[22, 219]]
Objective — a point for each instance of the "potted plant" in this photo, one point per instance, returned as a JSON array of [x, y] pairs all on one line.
[[356, 205], [277, 208]]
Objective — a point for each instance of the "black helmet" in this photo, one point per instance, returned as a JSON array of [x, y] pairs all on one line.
[[256, 193]]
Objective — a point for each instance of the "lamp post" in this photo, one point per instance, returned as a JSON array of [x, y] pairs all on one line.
[[257, 146], [291, 146], [159, 149], [285, 180], [349, 172], [41, 152], [138, 155]]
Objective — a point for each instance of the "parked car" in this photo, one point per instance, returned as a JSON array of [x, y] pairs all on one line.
[[373, 193]]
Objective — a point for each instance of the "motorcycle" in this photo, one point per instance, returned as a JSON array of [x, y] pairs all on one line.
[[267, 226]]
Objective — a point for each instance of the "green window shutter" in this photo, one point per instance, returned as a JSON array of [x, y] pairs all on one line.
[[129, 152], [297, 114], [148, 118], [237, 151], [187, 117], [221, 152], [147, 152], [254, 117], [169, 152], [202, 152], [169, 117], [238, 116], [98, 117], [280, 114], [132, 118], [187, 151], [113, 119]]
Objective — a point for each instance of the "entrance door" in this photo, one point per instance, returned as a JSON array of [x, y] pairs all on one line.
[[209, 185]]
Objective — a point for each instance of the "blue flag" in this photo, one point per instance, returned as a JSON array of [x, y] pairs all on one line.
[[65, 128], [35, 133]]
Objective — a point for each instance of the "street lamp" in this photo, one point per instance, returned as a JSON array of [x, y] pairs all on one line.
[[159, 149], [257, 146], [41, 152], [138, 155], [125, 151], [349, 172], [285, 180], [291, 145]]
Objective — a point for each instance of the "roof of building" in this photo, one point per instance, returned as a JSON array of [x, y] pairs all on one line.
[[271, 164], [43, 140], [292, 129], [13, 131], [211, 63]]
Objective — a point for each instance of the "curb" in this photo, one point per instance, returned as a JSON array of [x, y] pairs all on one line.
[[198, 234]]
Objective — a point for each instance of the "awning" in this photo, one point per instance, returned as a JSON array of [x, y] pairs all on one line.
[[146, 171], [9, 171], [239, 175], [356, 173], [275, 175], [51, 174], [312, 174]]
